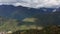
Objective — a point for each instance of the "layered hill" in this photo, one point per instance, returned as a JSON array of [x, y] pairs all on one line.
[[45, 16]]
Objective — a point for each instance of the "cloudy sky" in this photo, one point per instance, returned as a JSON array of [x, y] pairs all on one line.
[[32, 3]]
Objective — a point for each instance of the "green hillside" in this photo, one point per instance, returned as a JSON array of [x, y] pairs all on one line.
[[7, 24]]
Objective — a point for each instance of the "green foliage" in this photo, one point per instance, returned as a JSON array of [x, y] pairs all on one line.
[[9, 24]]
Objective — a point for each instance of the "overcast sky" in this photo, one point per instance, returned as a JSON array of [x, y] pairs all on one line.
[[32, 3]]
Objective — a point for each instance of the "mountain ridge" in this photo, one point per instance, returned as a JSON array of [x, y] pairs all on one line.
[[7, 10]]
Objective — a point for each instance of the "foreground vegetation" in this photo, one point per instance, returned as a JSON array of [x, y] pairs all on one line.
[[45, 30]]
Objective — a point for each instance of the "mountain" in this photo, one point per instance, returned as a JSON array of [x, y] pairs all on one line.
[[21, 12], [46, 15]]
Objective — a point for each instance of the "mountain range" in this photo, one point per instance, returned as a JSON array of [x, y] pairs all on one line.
[[46, 15], [21, 12]]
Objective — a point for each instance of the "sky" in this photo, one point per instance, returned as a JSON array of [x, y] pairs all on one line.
[[32, 3]]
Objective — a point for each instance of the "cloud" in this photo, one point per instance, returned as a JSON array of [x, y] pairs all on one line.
[[32, 3]]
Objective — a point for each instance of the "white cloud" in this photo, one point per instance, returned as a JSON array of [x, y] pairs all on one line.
[[32, 3]]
